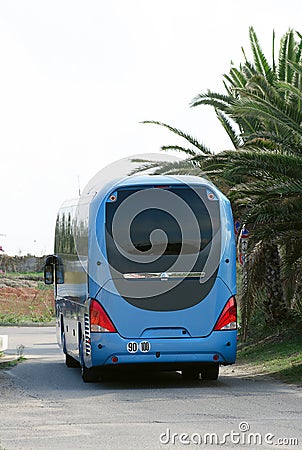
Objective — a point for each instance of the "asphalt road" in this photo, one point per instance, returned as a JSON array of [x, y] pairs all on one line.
[[45, 405]]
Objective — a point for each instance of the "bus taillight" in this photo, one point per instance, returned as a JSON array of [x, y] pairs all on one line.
[[228, 318], [99, 320]]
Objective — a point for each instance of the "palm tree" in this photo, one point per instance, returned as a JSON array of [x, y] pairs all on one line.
[[261, 112]]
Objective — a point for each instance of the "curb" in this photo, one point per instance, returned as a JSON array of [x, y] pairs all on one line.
[[29, 324], [7, 359]]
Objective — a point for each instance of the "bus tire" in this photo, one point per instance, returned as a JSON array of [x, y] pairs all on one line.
[[210, 372], [190, 374], [71, 362], [89, 375]]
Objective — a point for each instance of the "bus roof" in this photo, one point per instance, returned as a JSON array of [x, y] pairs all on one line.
[[148, 180]]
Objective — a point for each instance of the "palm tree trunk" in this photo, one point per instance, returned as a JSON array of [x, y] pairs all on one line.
[[275, 304]]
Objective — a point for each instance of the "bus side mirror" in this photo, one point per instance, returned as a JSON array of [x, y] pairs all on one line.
[[48, 274], [53, 270], [59, 273]]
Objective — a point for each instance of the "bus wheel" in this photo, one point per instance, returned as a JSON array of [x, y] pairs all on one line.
[[210, 372], [89, 375], [190, 374]]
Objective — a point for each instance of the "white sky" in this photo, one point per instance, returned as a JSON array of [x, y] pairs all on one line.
[[77, 77]]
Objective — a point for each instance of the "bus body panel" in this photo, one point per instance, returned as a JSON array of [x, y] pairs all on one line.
[[165, 350], [196, 321]]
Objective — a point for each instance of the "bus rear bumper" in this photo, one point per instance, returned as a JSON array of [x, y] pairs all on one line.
[[110, 349]]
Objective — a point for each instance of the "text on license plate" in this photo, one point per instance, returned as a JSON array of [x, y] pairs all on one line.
[[134, 347]]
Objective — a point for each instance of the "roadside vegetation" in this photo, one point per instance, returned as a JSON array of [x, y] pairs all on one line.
[[278, 355], [12, 363], [270, 350], [24, 298]]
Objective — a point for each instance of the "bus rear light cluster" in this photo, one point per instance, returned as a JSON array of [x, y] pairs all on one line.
[[228, 318], [99, 320]]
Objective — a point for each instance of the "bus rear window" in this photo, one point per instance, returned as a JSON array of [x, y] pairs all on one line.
[[160, 225]]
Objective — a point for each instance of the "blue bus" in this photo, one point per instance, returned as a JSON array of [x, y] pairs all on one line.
[[144, 274]]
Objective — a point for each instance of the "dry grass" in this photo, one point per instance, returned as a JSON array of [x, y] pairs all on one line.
[[21, 303]]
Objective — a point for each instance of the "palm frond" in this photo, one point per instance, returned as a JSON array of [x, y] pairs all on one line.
[[145, 165], [219, 101], [236, 78], [249, 70], [286, 53], [271, 189], [281, 140], [199, 146], [260, 60], [230, 129], [297, 68], [273, 53], [179, 148], [287, 87], [252, 106], [256, 163], [185, 167], [294, 97]]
